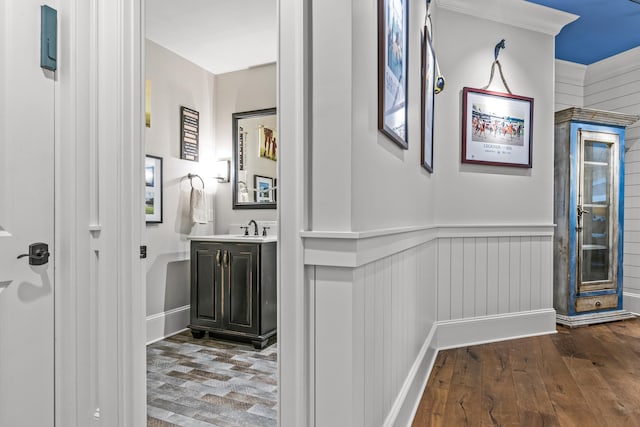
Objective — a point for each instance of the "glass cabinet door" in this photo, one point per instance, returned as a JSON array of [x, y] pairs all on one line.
[[597, 210]]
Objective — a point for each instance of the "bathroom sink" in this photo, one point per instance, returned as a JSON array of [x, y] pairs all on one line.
[[235, 238]]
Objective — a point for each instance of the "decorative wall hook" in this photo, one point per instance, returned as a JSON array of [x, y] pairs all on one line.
[[496, 50]]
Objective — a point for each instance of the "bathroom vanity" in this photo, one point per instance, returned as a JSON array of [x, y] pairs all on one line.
[[233, 287]]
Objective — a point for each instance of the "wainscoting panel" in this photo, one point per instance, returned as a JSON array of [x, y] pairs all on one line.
[[376, 314], [480, 276], [398, 312], [372, 331]]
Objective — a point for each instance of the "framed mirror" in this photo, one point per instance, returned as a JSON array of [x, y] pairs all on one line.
[[255, 159]]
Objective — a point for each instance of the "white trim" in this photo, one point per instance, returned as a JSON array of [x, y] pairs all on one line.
[[295, 403], [354, 249], [631, 302], [414, 385], [487, 329], [4, 233], [462, 333], [495, 230], [167, 323], [523, 14]]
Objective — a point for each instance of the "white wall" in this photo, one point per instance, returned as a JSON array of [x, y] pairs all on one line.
[[394, 254], [489, 194], [245, 90], [569, 84], [175, 82], [614, 84]]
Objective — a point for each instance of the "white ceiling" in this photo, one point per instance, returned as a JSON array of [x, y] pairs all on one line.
[[218, 35]]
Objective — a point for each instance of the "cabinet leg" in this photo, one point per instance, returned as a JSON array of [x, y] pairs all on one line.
[[197, 334], [259, 344]]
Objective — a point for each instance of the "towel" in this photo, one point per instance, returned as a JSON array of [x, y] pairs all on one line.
[[198, 206]]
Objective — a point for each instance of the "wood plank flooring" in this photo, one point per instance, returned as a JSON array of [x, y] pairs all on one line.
[[582, 377]]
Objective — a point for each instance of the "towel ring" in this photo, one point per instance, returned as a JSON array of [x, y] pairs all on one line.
[[193, 175]]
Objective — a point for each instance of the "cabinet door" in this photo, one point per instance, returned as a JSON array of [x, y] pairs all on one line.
[[597, 212], [206, 287], [241, 292]]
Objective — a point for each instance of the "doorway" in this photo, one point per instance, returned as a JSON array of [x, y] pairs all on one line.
[[179, 75]]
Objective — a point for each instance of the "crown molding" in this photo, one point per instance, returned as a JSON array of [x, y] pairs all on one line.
[[519, 13]]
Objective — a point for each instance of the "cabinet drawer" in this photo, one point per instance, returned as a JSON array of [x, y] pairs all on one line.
[[599, 302]]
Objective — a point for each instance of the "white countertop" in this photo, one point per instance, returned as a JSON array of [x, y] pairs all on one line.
[[235, 238]]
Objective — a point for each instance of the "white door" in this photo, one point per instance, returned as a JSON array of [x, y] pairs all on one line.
[[26, 216]]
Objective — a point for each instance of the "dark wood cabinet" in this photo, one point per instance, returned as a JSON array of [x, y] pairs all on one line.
[[233, 290]]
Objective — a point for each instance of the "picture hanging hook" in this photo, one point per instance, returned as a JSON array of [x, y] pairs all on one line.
[[496, 50]]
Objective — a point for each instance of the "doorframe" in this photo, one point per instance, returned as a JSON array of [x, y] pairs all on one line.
[[99, 130], [295, 370], [100, 280]]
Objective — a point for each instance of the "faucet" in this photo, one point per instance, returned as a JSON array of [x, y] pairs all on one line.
[[255, 226]]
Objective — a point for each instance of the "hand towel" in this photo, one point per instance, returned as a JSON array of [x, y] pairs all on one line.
[[198, 206]]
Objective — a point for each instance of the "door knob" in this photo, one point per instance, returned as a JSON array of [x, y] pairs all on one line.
[[38, 254]]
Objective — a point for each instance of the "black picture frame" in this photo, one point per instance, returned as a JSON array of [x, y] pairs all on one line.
[[497, 128], [153, 189], [393, 61], [263, 186], [428, 101]]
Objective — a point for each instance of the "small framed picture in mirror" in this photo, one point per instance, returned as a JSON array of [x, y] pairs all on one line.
[[263, 186]]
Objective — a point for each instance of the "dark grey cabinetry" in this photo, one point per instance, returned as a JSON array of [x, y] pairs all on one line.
[[233, 290]]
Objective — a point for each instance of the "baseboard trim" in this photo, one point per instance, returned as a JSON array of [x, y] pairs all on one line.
[[406, 404], [167, 323], [461, 333], [487, 329], [631, 302]]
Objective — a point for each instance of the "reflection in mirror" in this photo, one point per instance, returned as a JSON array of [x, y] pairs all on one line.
[[255, 156]]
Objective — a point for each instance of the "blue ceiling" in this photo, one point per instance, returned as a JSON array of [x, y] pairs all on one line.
[[605, 28]]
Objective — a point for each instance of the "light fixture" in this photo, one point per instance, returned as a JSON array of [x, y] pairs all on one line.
[[222, 170]]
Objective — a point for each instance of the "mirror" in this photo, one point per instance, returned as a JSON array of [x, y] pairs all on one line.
[[255, 159]]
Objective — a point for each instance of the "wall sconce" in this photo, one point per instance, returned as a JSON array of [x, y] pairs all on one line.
[[222, 170]]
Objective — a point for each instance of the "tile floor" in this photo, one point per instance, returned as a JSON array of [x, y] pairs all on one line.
[[208, 382]]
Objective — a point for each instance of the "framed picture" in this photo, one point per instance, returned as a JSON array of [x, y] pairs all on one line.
[[263, 186], [393, 25], [268, 144], [428, 78], [189, 134], [153, 189], [496, 128]]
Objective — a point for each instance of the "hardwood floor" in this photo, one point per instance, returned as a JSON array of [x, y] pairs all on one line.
[[587, 376]]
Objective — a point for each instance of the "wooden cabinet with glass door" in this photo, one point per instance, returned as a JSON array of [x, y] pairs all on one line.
[[589, 215]]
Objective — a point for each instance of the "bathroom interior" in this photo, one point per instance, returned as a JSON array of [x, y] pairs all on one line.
[[211, 209]]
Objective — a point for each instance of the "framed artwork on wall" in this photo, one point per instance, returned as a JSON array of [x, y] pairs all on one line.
[[153, 189], [496, 128], [428, 95], [393, 59], [189, 134], [263, 186]]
